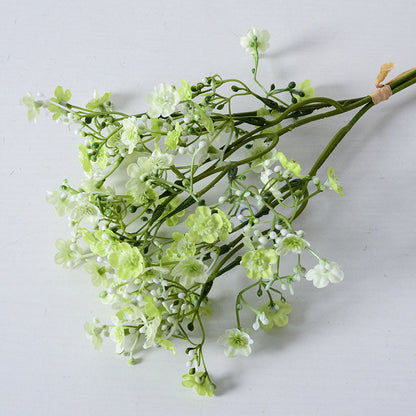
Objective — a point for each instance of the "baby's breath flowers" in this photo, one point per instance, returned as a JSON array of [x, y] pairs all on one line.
[[325, 272], [180, 194], [236, 341], [255, 41]]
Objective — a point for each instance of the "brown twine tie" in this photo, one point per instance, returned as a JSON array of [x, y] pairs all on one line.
[[383, 91]]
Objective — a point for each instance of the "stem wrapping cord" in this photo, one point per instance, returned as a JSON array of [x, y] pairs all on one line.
[[384, 91], [381, 94]]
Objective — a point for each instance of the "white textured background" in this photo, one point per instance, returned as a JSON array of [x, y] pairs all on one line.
[[348, 349]]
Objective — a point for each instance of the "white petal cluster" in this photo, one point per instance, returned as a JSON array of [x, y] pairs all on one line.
[[325, 272], [290, 242], [130, 133], [190, 271], [162, 101], [255, 38], [236, 342]]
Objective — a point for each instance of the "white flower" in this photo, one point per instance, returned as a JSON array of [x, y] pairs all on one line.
[[190, 271], [58, 200], [81, 209], [201, 153], [130, 133], [290, 242], [159, 160], [93, 333], [137, 174], [162, 101], [117, 335], [235, 342], [255, 41], [325, 272], [149, 329], [33, 107]]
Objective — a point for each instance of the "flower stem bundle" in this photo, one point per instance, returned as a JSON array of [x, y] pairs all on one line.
[[179, 195]]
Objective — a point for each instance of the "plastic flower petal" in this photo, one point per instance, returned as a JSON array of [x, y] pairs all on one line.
[[97, 101], [80, 208], [185, 92], [97, 272], [276, 313], [259, 263], [182, 247], [58, 201], [130, 133], [32, 107], [127, 260], [159, 160], [333, 181], [204, 225], [67, 253], [255, 41], [290, 165], [236, 342], [117, 335], [226, 228], [199, 382], [305, 87], [190, 271], [172, 138], [325, 272], [290, 242], [259, 146], [162, 101], [93, 333], [137, 174]]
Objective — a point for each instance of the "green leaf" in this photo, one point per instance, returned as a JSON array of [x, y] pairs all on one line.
[[166, 344]]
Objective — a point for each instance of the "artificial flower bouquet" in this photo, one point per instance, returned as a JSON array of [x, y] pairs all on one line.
[[181, 194]]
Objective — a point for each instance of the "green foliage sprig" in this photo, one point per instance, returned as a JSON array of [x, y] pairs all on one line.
[[179, 195]]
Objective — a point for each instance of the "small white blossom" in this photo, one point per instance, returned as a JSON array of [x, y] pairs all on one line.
[[190, 271], [236, 342], [162, 101], [290, 242], [130, 133], [157, 161], [325, 272], [255, 41], [58, 200], [81, 209]]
